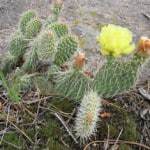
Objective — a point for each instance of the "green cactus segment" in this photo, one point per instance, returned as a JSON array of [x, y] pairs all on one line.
[[88, 115], [11, 87], [43, 84], [26, 17], [45, 45], [56, 10], [33, 28], [66, 48], [59, 29], [8, 62], [24, 79], [72, 84], [117, 77], [18, 45], [31, 63]]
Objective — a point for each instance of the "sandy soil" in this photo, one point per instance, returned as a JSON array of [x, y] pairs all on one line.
[[84, 16]]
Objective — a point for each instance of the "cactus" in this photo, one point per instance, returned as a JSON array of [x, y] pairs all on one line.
[[8, 63], [12, 88], [59, 29], [33, 28], [18, 45], [66, 48], [73, 84], [117, 77], [43, 84], [31, 63], [87, 116], [25, 18], [45, 45], [57, 9], [24, 79]]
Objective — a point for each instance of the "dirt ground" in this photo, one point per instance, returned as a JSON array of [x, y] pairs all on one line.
[[85, 18], [85, 15]]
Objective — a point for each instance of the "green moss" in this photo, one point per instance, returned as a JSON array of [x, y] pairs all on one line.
[[52, 132], [11, 141], [124, 147], [130, 130], [119, 120], [63, 104]]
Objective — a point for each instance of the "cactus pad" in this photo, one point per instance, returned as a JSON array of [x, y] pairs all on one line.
[[117, 77], [88, 115], [25, 18], [45, 45], [59, 29], [17, 45], [31, 63], [72, 84], [66, 48], [33, 28]]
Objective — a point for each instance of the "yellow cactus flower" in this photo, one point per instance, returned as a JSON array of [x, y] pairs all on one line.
[[115, 40]]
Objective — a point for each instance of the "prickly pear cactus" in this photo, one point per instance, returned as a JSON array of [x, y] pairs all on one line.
[[88, 115], [8, 62], [117, 77], [31, 63], [45, 45], [33, 27], [18, 45], [66, 48], [43, 84], [59, 28], [56, 9], [72, 84], [25, 18]]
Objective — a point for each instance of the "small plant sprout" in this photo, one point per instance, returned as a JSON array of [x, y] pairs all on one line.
[[88, 115]]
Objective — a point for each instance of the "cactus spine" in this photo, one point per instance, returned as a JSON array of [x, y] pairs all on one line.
[[45, 45], [88, 115], [74, 82], [59, 29], [25, 18], [31, 63], [18, 45], [33, 28], [117, 77], [66, 48]]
